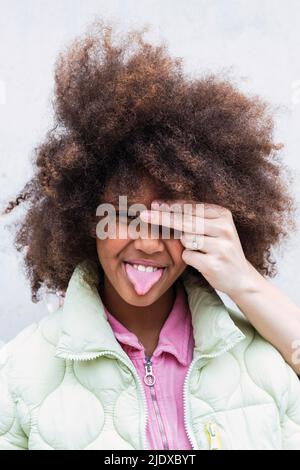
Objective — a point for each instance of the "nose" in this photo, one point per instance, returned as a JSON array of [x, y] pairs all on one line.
[[149, 245]]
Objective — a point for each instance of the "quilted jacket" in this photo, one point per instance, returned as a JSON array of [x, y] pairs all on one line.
[[66, 382]]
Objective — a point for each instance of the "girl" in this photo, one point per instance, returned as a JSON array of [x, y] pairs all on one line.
[[143, 354]]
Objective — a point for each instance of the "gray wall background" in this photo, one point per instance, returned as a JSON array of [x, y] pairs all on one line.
[[259, 39]]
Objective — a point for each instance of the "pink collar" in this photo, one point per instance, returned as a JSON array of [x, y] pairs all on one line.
[[174, 335]]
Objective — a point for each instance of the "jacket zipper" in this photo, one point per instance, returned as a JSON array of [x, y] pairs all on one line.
[[150, 380], [214, 438], [187, 416]]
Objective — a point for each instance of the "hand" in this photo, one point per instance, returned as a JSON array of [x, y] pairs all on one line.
[[219, 255]]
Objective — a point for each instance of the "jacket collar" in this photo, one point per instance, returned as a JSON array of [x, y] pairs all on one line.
[[175, 334], [86, 333]]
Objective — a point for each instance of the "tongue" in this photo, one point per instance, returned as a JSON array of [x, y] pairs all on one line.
[[142, 280]]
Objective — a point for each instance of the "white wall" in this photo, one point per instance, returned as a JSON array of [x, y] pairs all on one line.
[[259, 38]]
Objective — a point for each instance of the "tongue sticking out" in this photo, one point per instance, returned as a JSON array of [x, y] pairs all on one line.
[[142, 280]]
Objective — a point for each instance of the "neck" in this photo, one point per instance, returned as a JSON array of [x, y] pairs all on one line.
[[144, 322]]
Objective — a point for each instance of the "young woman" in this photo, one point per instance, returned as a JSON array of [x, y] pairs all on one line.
[[143, 354]]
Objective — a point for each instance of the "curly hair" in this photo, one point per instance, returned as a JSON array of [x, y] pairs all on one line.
[[123, 109]]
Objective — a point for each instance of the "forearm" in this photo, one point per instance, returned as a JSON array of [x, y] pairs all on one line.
[[271, 312]]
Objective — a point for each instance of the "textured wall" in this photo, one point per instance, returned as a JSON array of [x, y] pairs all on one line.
[[260, 39]]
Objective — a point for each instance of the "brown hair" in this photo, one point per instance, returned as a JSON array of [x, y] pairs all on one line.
[[124, 108]]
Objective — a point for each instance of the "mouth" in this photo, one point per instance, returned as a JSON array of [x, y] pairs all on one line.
[[144, 263], [143, 276]]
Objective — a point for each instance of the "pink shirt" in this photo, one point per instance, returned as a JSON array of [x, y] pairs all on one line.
[[170, 363]]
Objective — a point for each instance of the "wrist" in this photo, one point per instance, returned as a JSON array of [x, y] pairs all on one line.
[[250, 282]]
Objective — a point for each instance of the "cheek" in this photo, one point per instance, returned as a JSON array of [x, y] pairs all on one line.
[[176, 248], [108, 250]]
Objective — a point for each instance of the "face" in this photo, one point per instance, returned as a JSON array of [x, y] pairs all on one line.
[[118, 257]]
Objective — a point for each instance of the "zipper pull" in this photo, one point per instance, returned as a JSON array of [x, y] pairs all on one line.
[[149, 378], [214, 438]]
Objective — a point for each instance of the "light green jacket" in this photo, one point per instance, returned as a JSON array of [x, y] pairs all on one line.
[[66, 382]]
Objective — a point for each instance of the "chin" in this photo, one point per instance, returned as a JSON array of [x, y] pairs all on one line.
[[142, 300]]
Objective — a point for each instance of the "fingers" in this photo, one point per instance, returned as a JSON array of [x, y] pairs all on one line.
[[201, 209], [188, 240], [178, 221], [205, 244], [184, 222]]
